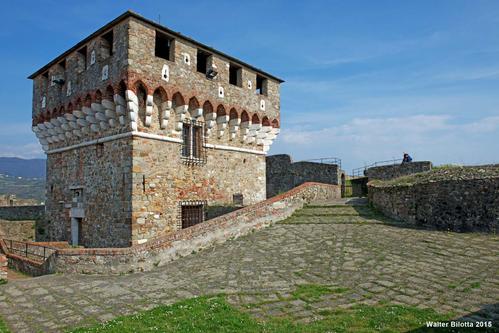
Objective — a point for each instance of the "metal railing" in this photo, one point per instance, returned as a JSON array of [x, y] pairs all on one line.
[[29, 250], [326, 160], [359, 172]]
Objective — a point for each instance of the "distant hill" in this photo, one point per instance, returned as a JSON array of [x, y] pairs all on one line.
[[23, 188], [18, 167]]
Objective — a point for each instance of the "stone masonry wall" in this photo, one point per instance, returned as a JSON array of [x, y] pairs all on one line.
[[103, 174], [398, 170], [161, 180], [22, 212], [18, 230], [183, 75], [282, 175], [81, 74], [160, 251], [457, 205]]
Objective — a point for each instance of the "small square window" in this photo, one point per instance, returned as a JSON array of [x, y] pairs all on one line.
[[164, 47], [235, 75], [192, 214]]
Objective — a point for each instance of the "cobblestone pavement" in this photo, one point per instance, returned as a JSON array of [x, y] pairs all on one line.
[[348, 248]]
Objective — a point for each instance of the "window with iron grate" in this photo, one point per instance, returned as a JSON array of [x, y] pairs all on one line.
[[192, 213], [193, 150]]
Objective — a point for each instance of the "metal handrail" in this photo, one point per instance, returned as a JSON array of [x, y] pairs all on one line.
[[326, 160], [359, 172], [22, 248]]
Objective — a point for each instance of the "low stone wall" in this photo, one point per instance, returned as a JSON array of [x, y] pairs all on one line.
[[397, 170], [162, 250], [282, 174], [22, 212], [18, 230], [456, 205], [3, 266], [359, 186]]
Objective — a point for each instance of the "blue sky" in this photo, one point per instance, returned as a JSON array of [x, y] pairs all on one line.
[[365, 80]]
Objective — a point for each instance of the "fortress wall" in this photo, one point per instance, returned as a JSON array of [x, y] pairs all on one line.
[[397, 170], [282, 174], [456, 205]]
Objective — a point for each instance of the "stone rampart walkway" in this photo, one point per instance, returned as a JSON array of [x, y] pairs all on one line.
[[349, 248]]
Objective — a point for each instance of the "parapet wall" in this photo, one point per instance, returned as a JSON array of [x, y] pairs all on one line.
[[160, 251], [455, 204], [17, 213], [283, 175], [397, 170]]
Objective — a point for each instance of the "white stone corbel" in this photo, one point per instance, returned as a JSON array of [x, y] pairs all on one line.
[[87, 111], [119, 100], [210, 121], [244, 129], [149, 108], [234, 127], [78, 114], [95, 128], [166, 108], [180, 112], [133, 109], [91, 119], [222, 125], [108, 105], [196, 113]]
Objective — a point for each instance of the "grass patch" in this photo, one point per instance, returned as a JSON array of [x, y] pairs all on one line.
[[214, 314], [3, 327], [313, 292], [3, 281]]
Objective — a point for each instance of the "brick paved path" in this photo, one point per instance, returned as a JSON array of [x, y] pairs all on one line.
[[339, 246]]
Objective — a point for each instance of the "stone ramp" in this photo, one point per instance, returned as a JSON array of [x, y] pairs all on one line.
[[341, 211]]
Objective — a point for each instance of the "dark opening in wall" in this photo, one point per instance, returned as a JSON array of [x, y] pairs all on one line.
[[202, 61], [192, 213], [99, 149], [63, 64], [235, 75], [164, 47], [261, 85], [237, 199], [107, 44], [82, 60]]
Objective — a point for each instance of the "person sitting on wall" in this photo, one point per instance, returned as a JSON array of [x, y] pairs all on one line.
[[407, 158]]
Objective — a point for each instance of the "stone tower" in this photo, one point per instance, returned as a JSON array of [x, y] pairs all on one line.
[[145, 130]]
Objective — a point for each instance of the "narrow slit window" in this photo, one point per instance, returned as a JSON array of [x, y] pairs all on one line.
[[261, 85], [235, 75], [164, 46]]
